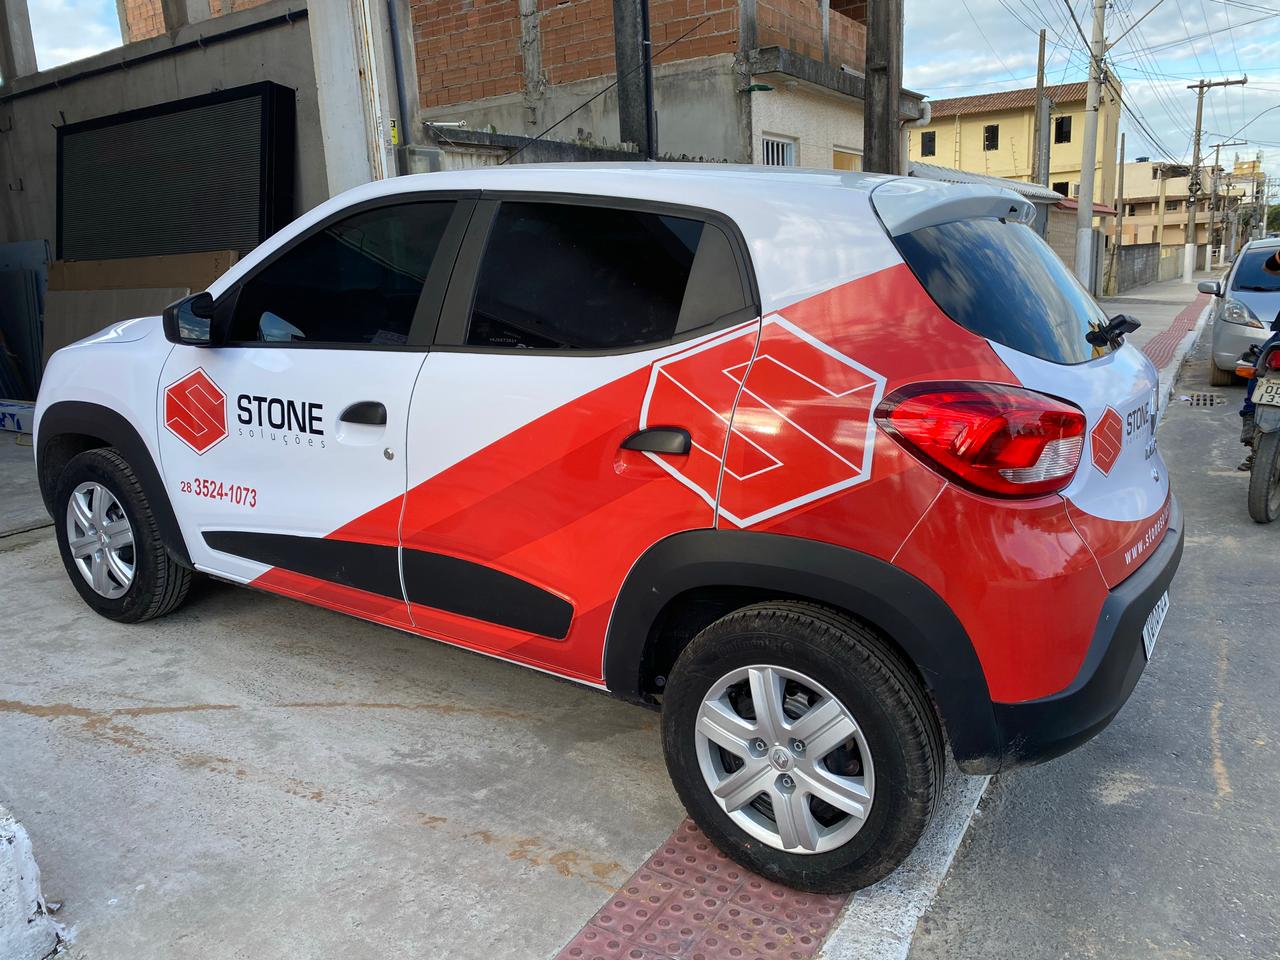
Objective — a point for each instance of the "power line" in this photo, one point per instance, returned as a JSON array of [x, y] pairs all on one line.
[[616, 80]]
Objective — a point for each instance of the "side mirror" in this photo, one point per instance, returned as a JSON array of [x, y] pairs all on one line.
[[1210, 286], [190, 321]]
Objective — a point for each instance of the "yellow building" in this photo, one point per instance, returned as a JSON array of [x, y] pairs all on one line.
[[993, 134]]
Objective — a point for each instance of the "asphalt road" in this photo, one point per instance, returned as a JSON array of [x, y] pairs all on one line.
[[1161, 838]]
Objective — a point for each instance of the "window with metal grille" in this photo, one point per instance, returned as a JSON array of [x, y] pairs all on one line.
[[1062, 130], [842, 158], [928, 143], [778, 152], [991, 136]]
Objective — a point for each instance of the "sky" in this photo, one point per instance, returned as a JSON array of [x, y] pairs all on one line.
[[982, 46]]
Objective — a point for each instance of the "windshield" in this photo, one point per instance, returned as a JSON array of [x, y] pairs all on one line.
[[1258, 270], [1001, 281]]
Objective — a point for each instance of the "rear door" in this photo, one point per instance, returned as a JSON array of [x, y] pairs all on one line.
[[1001, 281], [546, 452], [277, 440]]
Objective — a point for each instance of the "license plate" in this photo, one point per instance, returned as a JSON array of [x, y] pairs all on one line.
[[1267, 391], [1155, 620]]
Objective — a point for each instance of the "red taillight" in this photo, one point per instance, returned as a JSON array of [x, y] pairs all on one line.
[[996, 439], [1273, 360]]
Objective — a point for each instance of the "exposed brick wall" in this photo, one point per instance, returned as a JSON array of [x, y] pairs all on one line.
[[470, 49], [797, 25], [467, 49], [144, 18]]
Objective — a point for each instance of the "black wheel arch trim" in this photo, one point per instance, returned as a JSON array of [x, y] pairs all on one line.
[[898, 604], [94, 420]]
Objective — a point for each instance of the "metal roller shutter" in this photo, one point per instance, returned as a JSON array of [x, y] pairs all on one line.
[[207, 173]]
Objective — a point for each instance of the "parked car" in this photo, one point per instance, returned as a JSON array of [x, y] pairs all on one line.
[[837, 470], [1243, 305]]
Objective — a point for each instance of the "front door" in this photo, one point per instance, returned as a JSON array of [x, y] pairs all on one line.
[[276, 441], [576, 326]]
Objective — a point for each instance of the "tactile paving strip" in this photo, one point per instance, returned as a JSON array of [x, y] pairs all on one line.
[[691, 902], [1160, 347]]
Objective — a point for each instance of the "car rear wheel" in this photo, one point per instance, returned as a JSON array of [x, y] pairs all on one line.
[[110, 542], [1264, 479], [802, 746], [1219, 377]]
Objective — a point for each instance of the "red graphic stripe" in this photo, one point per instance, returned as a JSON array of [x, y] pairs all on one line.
[[1121, 546]]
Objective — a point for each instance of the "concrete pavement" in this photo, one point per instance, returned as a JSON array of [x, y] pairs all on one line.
[[1161, 838]]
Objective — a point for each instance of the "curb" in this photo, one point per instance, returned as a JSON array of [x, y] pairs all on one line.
[[1169, 374], [27, 932]]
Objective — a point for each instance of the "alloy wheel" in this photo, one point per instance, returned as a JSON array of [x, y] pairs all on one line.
[[100, 539], [785, 759]]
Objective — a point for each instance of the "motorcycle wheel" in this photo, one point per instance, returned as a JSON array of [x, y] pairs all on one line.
[[1264, 479]]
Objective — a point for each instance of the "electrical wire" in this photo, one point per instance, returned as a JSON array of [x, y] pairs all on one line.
[[616, 80]]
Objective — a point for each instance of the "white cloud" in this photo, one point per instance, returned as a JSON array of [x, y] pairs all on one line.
[[66, 30]]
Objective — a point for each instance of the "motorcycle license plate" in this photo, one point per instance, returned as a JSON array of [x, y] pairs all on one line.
[[1267, 392], [1155, 620]]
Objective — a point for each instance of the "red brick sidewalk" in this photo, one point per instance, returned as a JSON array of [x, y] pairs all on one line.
[[691, 902], [1160, 348]]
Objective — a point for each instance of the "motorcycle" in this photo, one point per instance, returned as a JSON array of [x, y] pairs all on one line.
[[1260, 366]]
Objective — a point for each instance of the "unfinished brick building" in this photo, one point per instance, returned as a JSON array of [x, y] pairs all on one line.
[[763, 81]]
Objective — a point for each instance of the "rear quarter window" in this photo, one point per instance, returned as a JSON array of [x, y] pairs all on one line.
[[1002, 282], [1258, 270]]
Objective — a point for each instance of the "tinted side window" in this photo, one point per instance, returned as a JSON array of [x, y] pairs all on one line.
[[356, 281], [574, 277], [1001, 281]]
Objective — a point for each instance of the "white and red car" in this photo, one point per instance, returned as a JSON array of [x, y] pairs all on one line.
[[834, 468]]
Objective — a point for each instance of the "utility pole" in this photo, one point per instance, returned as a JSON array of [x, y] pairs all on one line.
[[650, 118], [1213, 191], [881, 127], [1112, 281], [1040, 137], [1193, 182], [1089, 153]]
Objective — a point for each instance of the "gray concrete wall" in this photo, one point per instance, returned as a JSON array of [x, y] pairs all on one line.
[[1139, 264], [695, 102], [244, 47]]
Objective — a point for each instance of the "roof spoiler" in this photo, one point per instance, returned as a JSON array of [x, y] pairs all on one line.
[[907, 204]]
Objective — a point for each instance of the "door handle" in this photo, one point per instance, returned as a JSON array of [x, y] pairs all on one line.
[[675, 440], [368, 412]]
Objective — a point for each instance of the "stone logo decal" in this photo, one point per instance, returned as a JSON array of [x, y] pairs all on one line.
[[195, 411], [803, 430], [1107, 439]]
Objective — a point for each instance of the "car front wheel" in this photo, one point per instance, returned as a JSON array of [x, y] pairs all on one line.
[[110, 542], [802, 746]]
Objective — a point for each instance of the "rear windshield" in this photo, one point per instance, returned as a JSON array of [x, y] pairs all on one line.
[[1001, 281], [1258, 270]]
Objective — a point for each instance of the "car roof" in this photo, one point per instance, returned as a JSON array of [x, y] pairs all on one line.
[[1266, 243], [807, 230]]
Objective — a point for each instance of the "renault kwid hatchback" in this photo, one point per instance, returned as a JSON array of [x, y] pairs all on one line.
[[835, 469]]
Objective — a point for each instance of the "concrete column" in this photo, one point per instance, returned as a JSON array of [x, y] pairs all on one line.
[[349, 92], [628, 56], [198, 11], [17, 49], [174, 13]]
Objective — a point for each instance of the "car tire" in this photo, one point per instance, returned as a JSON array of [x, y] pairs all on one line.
[[1219, 377], [1264, 479], [896, 727], [130, 576]]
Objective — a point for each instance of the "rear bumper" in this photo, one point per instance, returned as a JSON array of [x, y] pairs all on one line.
[[1037, 730]]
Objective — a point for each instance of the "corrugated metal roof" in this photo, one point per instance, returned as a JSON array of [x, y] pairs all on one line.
[[1032, 191], [1007, 100]]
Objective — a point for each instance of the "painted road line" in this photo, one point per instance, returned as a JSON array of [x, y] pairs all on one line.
[[880, 921]]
